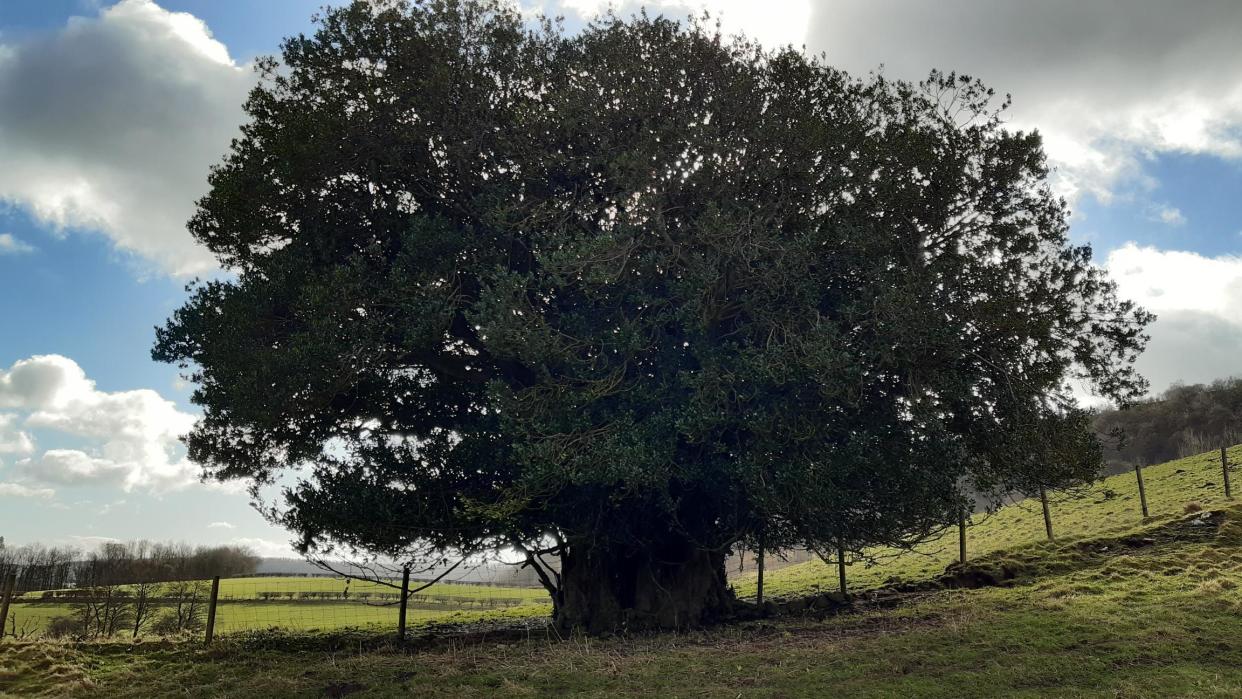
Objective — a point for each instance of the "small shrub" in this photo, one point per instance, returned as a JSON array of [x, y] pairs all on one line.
[[64, 627], [169, 624], [165, 624]]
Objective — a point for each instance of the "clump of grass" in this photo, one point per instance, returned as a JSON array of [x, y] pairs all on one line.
[[1215, 586], [41, 669]]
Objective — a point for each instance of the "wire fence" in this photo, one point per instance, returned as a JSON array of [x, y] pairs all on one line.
[[193, 608], [332, 603], [203, 608]]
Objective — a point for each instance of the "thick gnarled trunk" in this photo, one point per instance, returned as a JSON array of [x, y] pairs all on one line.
[[671, 586]]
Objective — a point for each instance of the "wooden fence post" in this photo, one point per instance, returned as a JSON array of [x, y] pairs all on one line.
[[841, 570], [405, 596], [1043, 500], [1138, 473], [961, 537], [9, 586], [211, 609], [759, 564], [1224, 470]]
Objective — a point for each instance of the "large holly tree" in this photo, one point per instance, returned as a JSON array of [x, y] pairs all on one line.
[[627, 298]]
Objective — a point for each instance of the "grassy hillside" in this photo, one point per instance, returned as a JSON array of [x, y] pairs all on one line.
[[1117, 607], [1111, 507], [1153, 615]]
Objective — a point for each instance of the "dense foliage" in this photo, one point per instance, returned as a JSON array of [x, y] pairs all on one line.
[[1182, 421], [632, 296]]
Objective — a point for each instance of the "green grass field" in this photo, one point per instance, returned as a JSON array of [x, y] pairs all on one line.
[[441, 602], [280, 602], [251, 588], [1116, 607]]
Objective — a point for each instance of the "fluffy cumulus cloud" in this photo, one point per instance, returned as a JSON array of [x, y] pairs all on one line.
[[1108, 81], [1198, 301], [127, 439], [13, 439], [111, 124]]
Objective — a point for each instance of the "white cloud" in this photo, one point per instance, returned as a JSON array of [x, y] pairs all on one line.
[[9, 245], [266, 547], [221, 525], [111, 123], [1198, 303], [1169, 215], [1172, 280], [132, 436], [43, 382], [71, 467], [22, 491], [12, 439], [1108, 82]]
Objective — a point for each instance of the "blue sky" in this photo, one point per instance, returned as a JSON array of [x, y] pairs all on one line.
[[110, 114], [1206, 190]]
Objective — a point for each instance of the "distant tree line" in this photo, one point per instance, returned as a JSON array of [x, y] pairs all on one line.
[[1182, 421], [40, 567]]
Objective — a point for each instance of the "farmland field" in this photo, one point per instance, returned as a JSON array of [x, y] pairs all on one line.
[[307, 604], [250, 587]]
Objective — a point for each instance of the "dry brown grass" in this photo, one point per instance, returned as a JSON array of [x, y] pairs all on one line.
[[44, 668]]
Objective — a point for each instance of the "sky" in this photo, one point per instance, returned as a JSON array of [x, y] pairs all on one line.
[[112, 112]]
